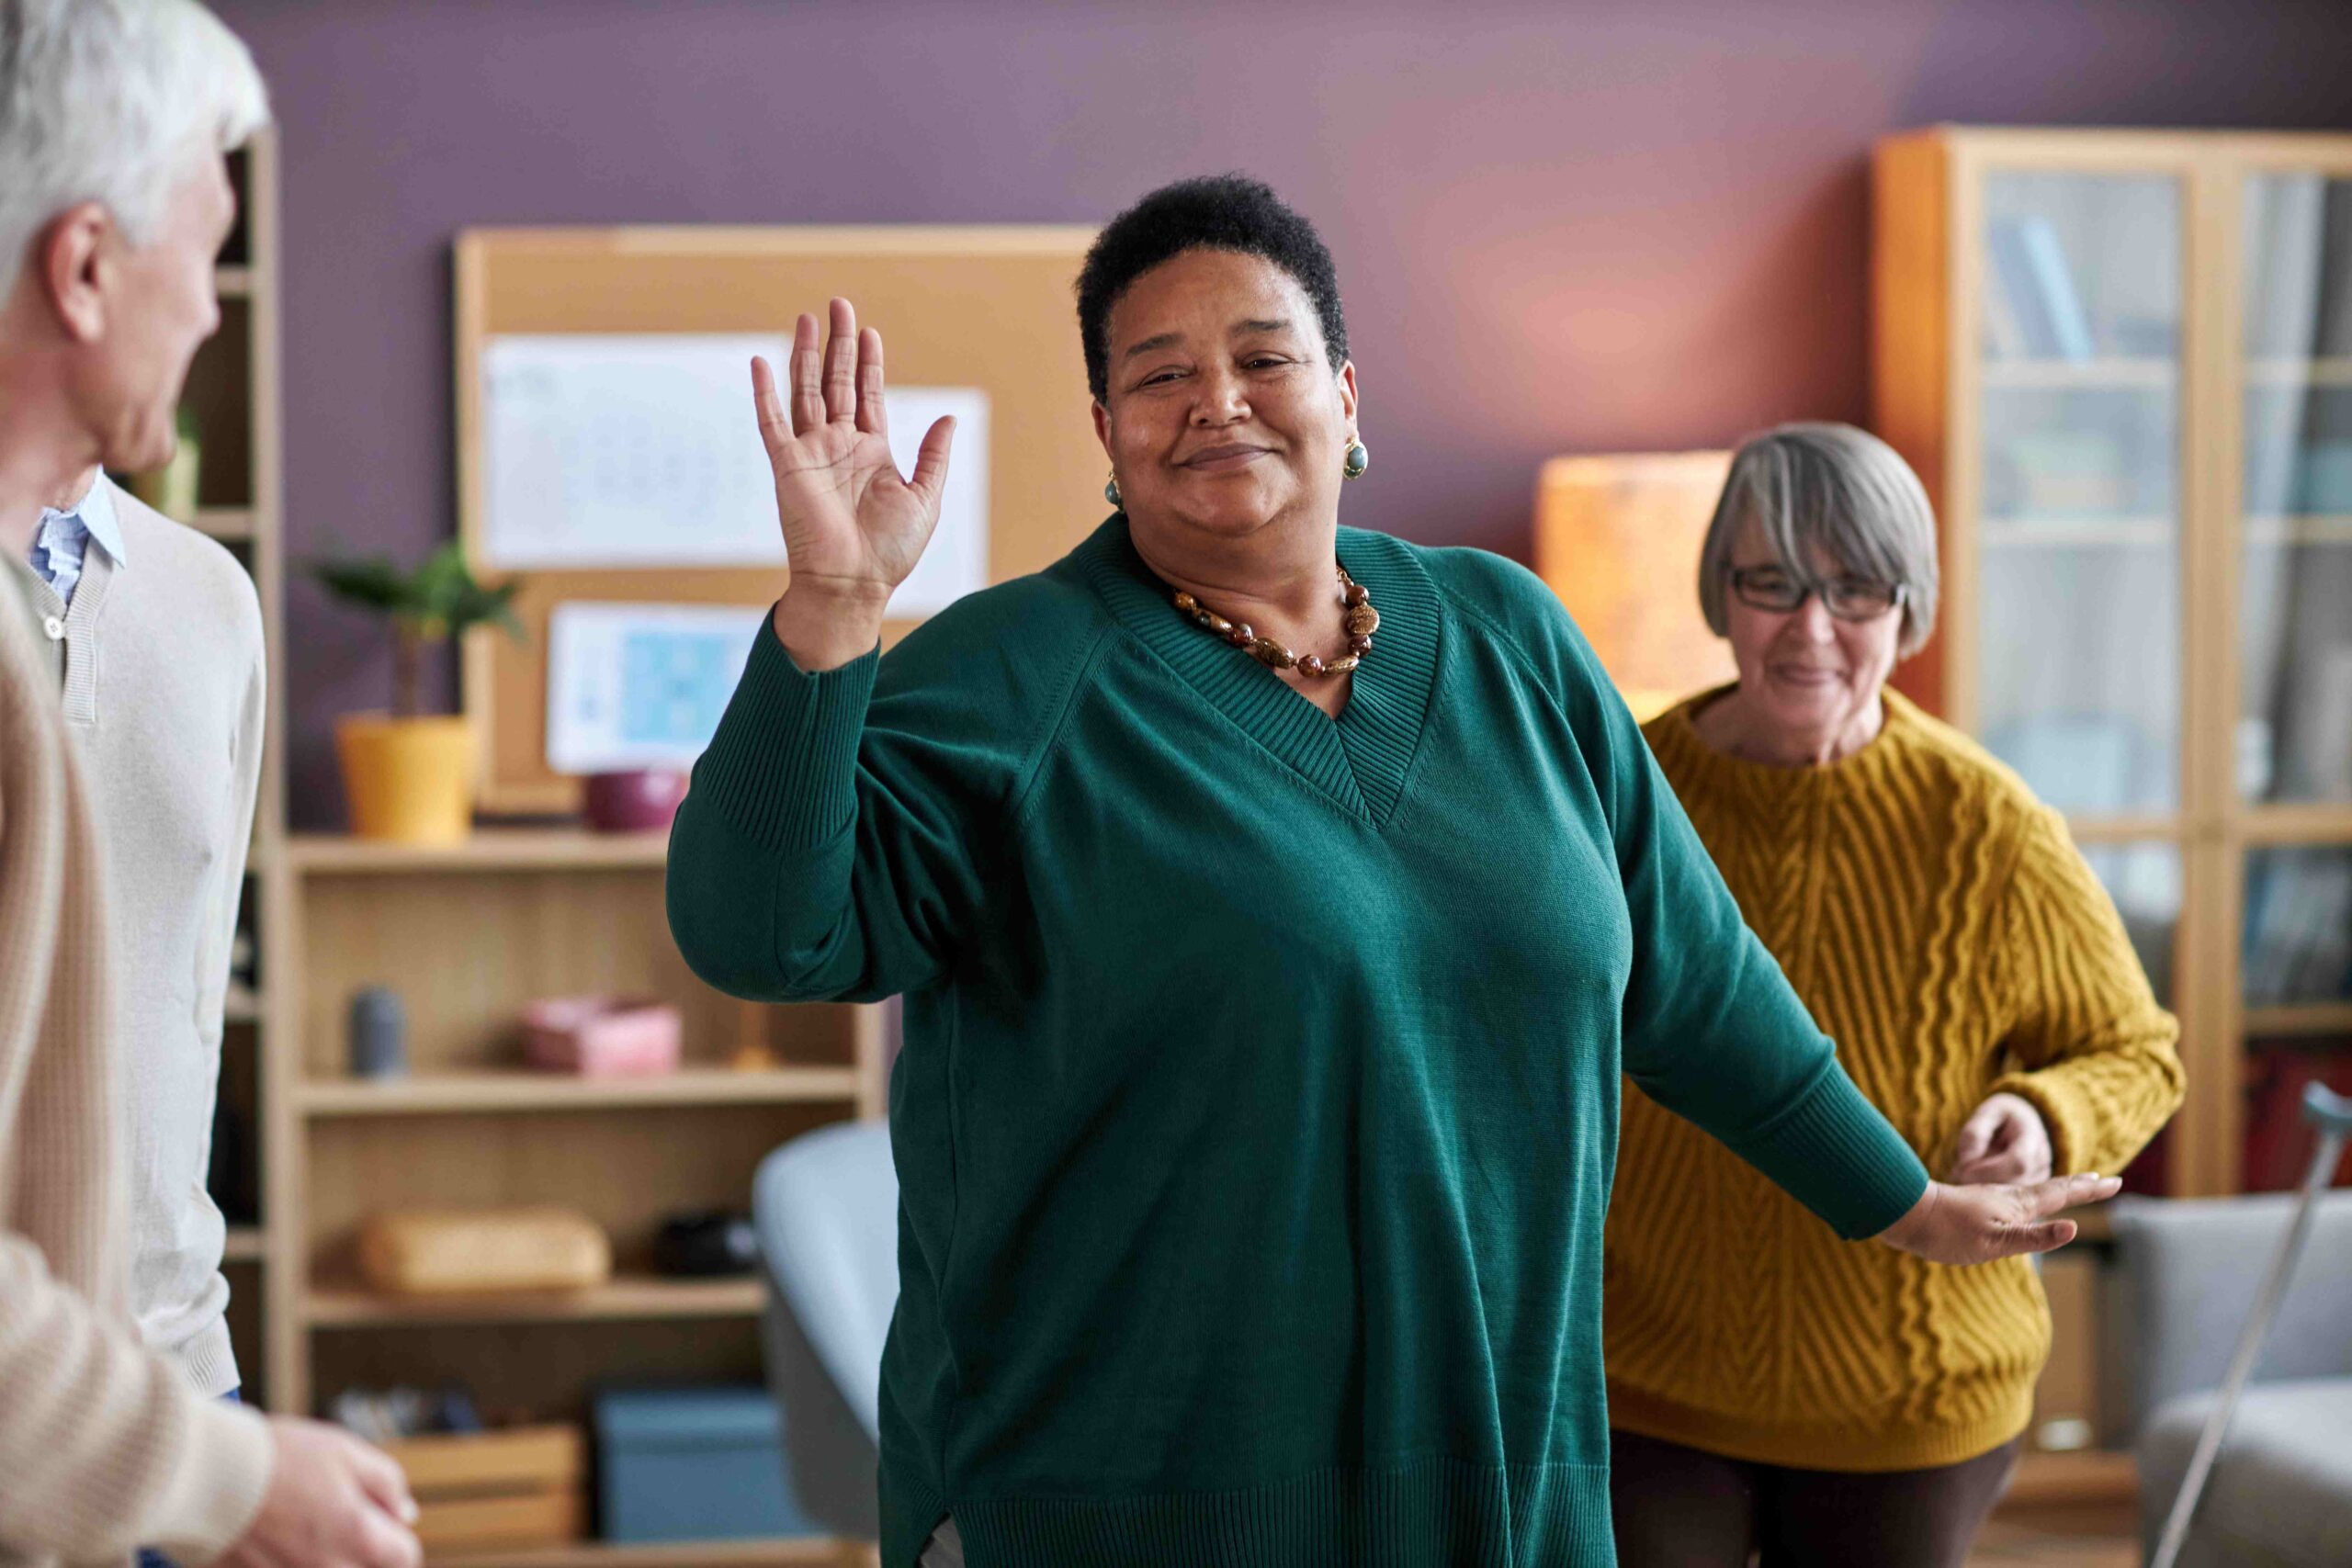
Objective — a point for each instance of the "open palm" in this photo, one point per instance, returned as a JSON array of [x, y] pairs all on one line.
[[852, 526]]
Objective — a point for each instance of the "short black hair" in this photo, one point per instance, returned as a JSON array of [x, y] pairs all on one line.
[[1213, 212]]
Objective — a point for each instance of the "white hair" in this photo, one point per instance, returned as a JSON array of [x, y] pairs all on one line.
[[112, 101], [1840, 488]]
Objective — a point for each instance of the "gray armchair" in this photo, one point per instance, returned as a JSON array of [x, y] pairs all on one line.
[[826, 1206], [2189, 1270]]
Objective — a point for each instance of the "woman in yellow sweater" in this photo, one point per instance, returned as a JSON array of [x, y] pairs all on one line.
[[1770, 1387]]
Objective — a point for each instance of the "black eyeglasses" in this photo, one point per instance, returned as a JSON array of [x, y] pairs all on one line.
[[1780, 589]]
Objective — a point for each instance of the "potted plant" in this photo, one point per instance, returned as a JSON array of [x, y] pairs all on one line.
[[410, 776]]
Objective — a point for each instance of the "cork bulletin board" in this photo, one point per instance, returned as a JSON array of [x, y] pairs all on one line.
[[991, 309]]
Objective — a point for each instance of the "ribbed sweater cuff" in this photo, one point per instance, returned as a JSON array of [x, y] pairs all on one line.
[[1833, 1152], [225, 1460], [783, 767]]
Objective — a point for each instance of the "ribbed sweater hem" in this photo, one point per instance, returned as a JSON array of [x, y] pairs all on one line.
[[1424, 1511], [1863, 1447]]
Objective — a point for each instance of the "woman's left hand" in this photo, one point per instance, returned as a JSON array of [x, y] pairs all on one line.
[[1978, 1224], [2002, 1141]]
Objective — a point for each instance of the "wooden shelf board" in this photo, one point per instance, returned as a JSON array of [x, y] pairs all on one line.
[[224, 522], [2328, 370], [667, 1554], [2092, 1475], [2304, 529], [2123, 830], [351, 1305], [2300, 1018], [2065, 533], [2315, 823], [242, 1006], [246, 1244], [489, 849], [2080, 374], [521, 1090], [233, 282]]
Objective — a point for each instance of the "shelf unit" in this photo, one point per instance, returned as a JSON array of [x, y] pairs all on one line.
[[466, 935], [2165, 235], [2105, 516]]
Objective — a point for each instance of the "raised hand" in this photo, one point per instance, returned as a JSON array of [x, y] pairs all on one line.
[[1977, 1224], [853, 527]]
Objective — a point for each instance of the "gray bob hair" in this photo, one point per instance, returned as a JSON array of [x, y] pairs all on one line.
[[112, 101], [1837, 488]]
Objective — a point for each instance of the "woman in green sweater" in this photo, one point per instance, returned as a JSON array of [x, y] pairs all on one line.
[[1276, 905]]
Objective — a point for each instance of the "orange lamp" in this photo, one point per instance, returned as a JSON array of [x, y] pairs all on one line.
[[1617, 538]]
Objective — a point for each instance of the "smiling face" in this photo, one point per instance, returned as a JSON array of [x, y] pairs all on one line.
[[1223, 413], [1806, 676]]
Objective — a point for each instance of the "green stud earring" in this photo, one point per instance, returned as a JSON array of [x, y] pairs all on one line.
[[1356, 461], [1111, 493]]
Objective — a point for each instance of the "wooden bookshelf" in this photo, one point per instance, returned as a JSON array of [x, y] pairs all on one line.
[[2104, 518], [1940, 396], [466, 935]]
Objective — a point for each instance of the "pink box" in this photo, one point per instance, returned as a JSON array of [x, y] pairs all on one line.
[[602, 1037]]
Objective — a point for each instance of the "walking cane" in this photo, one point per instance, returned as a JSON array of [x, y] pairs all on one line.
[[2332, 1115]]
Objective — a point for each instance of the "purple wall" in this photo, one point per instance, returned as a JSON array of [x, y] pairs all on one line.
[[1625, 223]]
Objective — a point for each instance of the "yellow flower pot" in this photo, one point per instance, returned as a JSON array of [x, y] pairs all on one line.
[[409, 781]]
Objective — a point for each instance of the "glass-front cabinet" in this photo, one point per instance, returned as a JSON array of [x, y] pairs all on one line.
[[2122, 363]]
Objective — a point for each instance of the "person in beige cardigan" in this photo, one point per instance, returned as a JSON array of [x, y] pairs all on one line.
[[115, 116]]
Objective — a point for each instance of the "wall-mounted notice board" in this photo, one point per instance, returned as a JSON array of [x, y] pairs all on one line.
[[590, 356]]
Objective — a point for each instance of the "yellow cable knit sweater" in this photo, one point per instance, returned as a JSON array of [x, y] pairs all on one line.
[[1943, 930]]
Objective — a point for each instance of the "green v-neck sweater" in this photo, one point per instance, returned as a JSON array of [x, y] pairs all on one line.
[[1259, 1101]]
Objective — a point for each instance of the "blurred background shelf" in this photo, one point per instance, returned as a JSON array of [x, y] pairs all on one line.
[[346, 1304], [227, 524], [669, 1554], [490, 1089], [489, 849]]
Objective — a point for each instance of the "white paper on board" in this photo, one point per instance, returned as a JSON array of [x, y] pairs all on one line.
[[641, 686], [627, 450], [956, 562]]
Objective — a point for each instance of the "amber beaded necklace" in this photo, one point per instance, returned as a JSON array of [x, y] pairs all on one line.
[[1360, 620]]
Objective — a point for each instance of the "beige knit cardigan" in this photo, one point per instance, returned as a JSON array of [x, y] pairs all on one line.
[[104, 1447]]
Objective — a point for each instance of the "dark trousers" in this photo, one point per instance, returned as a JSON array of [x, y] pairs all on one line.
[[1677, 1507], [149, 1558]]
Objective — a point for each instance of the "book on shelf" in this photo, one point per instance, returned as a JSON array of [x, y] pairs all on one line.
[[2039, 288], [2298, 929], [2278, 1142]]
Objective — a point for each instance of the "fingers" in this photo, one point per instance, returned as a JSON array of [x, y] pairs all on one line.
[[2047, 1237], [841, 363], [1975, 1138], [2047, 1197], [1998, 1169], [931, 460], [807, 397], [384, 1481], [383, 1544], [775, 428], [872, 417]]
